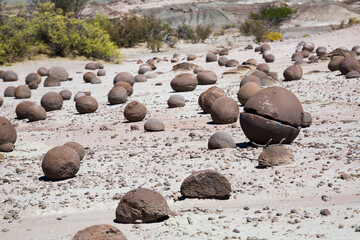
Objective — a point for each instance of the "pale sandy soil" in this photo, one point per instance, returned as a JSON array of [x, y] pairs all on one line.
[[119, 159]]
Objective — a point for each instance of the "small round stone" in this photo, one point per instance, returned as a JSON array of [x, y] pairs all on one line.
[[127, 86], [51, 101], [9, 91], [42, 71], [275, 156], [117, 95], [99, 232], [206, 77], [36, 113], [9, 76], [59, 72], [22, 92], [211, 57], [135, 111], [246, 91], [79, 149], [224, 110], [154, 125], [140, 78], [86, 104], [21, 109], [221, 140], [52, 81], [88, 76], [124, 77], [176, 101], [101, 73], [8, 135], [65, 94], [32, 77]]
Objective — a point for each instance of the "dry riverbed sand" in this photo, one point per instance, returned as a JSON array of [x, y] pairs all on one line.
[[275, 203]]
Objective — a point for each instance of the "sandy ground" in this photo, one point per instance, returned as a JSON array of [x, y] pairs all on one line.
[[283, 202]]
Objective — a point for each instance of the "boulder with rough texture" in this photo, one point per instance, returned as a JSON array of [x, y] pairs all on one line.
[[176, 101], [59, 72], [79, 149], [206, 77], [334, 63], [60, 163], [124, 77], [21, 109], [8, 135], [211, 57], [154, 125], [272, 113], [35, 113], [42, 71], [117, 95], [86, 104], [33, 77], [129, 89], [51, 101], [224, 110], [142, 204], [22, 92], [207, 98], [293, 72], [206, 184], [184, 82], [9, 76], [246, 91], [52, 81], [221, 140], [99, 232], [135, 111], [275, 156], [65, 94], [9, 91], [349, 64]]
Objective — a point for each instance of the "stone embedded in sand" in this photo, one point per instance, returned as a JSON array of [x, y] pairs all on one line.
[[191, 57], [293, 72], [269, 58], [135, 111], [222, 61], [224, 51], [60, 163], [309, 46], [275, 156], [307, 120], [21, 109], [8, 135], [221, 140], [95, 80], [52, 81], [263, 67], [211, 57], [51, 101], [150, 74], [176, 101], [86, 104], [140, 78], [99, 232], [154, 125], [232, 63], [124, 77], [352, 74], [42, 71], [35, 113], [90, 66], [224, 110], [174, 59], [259, 74], [297, 56], [250, 78], [320, 51], [334, 63], [207, 98], [142, 204], [117, 95], [79, 149], [251, 62], [184, 82], [144, 69], [9, 76], [59, 72], [272, 113], [206, 184], [127, 86], [247, 91], [65, 94], [33, 77], [99, 65], [101, 73], [206, 77], [9, 91], [88, 76], [80, 94], [22, 92], [184, 66], [349, 64]]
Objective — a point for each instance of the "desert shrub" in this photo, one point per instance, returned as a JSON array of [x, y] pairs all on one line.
[[257, 28], [74, 7], [155, 31], [273, 36], [228, 26], [351, 21], [195, 35], [273, 15]]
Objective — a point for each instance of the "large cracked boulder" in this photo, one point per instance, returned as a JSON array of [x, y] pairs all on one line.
[[124, 77], [272, 114], [275, 156], [224, 110], [135, 111], [60, 163], [8, 135], [99, 232], [221, 140], [86, 104], [142, 205], [206, 77], [206, 184], [58, 72], [184, 82], [207, 98], [51, 101]]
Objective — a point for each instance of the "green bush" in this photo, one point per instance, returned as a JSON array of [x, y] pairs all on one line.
[[74, 7], [195, 35], [256, 28], [273, 15]]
